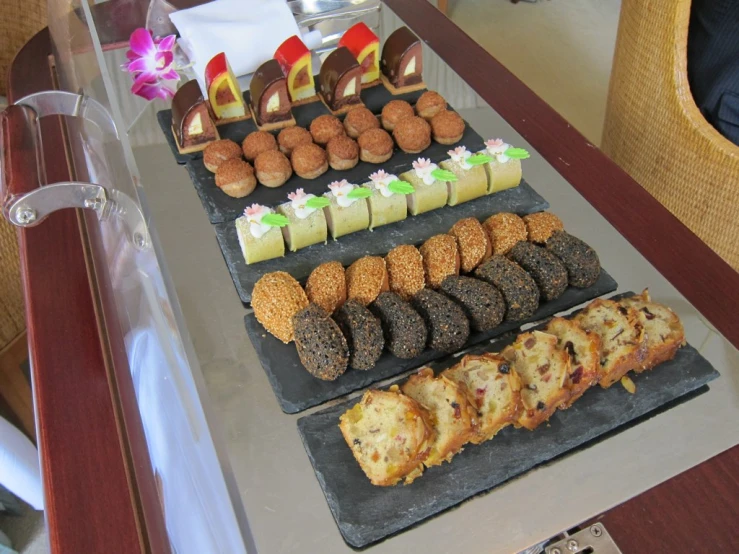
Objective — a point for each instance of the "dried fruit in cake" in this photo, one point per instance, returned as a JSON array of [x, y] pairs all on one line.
[[273, 168], [664, 330], [326, 286], [412, 134], [224, 92], [583, 347], [518, 288], [405, 270], [394, 112], [257, 142], [622, 337], [236, 178], [429, 104], [402, 59], [447, 127], [269, 99], [548, 271], [192, 126], [364, 46], [492, 388], [292, 137], [473, 242], [321, 346], [309, 161], [543, 370], [440, 259], [448, 326], [455, 420], [403, 327], [505, 230], [375, 146], [541, 225], [363, 333], [366, 278], [482, 302], [359, 120], [390, 436], [276, 298], [343, 153], [218, 152], [340, 80], [325, 127], [581, 261], [295, 60]]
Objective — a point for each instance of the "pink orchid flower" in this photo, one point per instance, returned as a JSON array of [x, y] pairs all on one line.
[[297, 195], [422, 163], [150, 59], [152, 89]]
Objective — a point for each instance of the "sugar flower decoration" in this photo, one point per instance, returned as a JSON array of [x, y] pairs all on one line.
[[424, 169], [498, 148], [254, 215], [151, 64], [299, 200], [381, 179], [460, 155], [341, 190]]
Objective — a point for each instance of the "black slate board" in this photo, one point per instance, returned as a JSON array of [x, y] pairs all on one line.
[[297, 390], [366, 514], [414, 230]]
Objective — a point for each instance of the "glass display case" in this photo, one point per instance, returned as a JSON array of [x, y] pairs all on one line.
[[230, 469]]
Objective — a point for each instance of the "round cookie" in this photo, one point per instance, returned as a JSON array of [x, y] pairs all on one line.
[[366, 279], [275, 299], [363, 333], [505, 230], [405, 270], [273, 168], [325, 127], [326, 286], [403, 327], [236, 178], [309, 161], [429, 104], [549, 273], [473, 242], [448, 327], [359, 120], [541, 225], [292, 137], [257, 142], [343, 152], [321, 346], [518, 288], [440, 259], [581, 261], [375, 146], [482, 303], [394, 112], [412, 134], [447, 127], [218, 152]]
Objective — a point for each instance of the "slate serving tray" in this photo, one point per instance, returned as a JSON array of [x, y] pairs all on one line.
[[297, 390], [366, 514], [413, 230]]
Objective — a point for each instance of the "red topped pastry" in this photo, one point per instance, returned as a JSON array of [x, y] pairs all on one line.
[[340, 80], [365, 46], [402, 61], [269, 100], [224, 92], [295, 60]]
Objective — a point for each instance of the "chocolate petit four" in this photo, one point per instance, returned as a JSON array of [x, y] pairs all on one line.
[[429, 104], [295, 60], [277, 297], [430, 184], [325, 127], [412, 134], [447, 127], [259, 235], [471, 180], [359, 120], [348, 211], [257, 142], [343, 153], [218, 152], [224, 92], [236, 178], [504, 170], [340, 81], [270, 103], [291, 137], [395, 111], [192, 126], [402, 62], [387, 203], [365, 47], [309, 161], [273, 168], [306, 222], [375, 146]]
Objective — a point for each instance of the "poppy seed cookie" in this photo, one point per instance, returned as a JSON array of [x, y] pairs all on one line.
[[363, 333], [518, 288], [581, 261], [547, 270], [321, 346], [403, 327], [448, 326], [482, 302]]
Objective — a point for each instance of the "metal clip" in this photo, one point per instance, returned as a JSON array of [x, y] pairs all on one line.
[[591, 540]]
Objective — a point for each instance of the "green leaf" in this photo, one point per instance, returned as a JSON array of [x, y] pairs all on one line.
[[401, 187], [479, 159], [359, 192], [517, 153], [275, 220], [317, 202], [444, 175]]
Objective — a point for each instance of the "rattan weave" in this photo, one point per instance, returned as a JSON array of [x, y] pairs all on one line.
[[654, 130], [12, 320]]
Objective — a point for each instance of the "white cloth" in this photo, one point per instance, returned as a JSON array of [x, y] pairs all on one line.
[[20, 472], [248, 31]]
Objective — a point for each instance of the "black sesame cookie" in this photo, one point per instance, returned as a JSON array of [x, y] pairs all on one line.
[[518, 288], [547, 270], [448, 326], [363, 333], [403, 327], [482, 302], [581, 261], [321, 346]]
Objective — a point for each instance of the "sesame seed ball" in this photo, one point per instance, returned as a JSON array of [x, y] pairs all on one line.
[[518, 288], [405, 270], [505, 230], [257, 142], [473, 242], [363, 333], [276, 298], [321, 346], [440, 259], [482, 302], [549, 273], [366, 278], [541, 225], [446, 322], [581, 261], [403, 327], [220, 151], [326, 286]]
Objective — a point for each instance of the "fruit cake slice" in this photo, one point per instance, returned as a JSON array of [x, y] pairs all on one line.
[[454, 417], [543, 370], [583, 347], [664, 330], [623, 342], [492, 388], [390, 436]]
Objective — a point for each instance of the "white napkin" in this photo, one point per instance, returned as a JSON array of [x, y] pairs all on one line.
[[248, 31]]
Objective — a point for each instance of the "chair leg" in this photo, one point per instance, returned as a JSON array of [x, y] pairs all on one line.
[[443, 6]]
